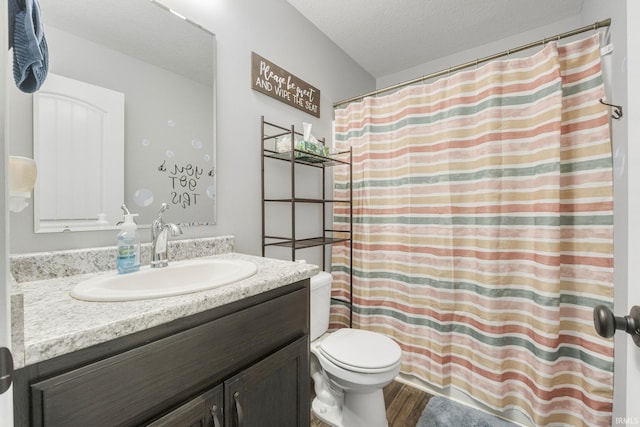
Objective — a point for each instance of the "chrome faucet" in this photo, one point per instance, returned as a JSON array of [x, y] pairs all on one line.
[[159, 238]]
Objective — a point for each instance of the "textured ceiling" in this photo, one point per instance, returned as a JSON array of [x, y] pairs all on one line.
[[388, 36]]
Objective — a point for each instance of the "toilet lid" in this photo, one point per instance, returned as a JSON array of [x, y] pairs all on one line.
[[361, 351]]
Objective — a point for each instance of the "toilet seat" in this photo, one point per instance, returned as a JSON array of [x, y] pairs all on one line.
[[361, 351]]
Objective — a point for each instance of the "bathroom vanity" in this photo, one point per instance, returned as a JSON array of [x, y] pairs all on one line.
[[233, 356]]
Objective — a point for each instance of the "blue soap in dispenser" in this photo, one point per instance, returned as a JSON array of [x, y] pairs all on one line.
[[128, 245]]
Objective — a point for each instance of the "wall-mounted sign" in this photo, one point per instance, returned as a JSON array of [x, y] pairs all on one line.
[[268, 78]]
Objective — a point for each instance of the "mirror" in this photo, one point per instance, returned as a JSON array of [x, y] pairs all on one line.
[[164, 67]]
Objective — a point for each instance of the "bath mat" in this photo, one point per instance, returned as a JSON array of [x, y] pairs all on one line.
[[443, 412]]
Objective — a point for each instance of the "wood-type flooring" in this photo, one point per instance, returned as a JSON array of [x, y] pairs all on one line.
[[404, 405]]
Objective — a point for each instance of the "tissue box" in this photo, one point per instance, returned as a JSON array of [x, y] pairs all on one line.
[[284, 145], [312, 147]]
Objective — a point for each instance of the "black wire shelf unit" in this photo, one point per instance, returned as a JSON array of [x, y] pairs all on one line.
[[294, 158]]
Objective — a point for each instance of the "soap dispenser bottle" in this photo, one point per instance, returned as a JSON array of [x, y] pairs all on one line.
[[128, 245]]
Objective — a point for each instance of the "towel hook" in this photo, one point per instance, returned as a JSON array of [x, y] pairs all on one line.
[[617, 109]]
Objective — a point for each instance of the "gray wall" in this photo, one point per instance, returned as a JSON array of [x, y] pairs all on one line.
[[276, 31]]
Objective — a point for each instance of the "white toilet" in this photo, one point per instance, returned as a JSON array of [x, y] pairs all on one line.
[[349, 367]]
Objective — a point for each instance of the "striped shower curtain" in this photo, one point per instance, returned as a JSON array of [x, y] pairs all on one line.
[[483, 232]]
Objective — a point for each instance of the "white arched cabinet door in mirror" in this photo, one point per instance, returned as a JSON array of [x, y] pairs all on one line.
[[80, 127]]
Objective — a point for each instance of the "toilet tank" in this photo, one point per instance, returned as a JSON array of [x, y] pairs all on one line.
[[320, 304]]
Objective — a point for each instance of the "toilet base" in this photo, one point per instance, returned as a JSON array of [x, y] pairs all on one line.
[[358, 410], [327, 414]]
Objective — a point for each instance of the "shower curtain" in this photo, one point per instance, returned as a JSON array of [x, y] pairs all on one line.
[[483, 231]]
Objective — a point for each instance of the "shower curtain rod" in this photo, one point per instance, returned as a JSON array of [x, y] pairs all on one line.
[[592, 27]]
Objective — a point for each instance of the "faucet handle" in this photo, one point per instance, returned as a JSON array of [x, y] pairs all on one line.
[[163, 208]]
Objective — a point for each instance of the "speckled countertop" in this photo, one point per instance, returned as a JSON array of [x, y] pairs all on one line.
[[54, 323]]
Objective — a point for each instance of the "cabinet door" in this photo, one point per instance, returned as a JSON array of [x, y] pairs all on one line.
[[272, 393], [203, 411]]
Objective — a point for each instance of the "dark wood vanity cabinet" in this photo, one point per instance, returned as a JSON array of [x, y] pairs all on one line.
[[244, 364]]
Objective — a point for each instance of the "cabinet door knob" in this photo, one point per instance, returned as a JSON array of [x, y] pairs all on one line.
[[214, 416], [606, 323], [236, 399]]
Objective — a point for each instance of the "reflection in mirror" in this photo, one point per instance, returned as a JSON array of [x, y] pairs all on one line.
[[78, 130], [163, 68]]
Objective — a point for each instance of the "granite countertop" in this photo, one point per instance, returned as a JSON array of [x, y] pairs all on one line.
[[56, 324]]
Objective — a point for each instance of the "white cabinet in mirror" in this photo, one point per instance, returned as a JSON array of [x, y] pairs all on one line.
[[163, 69]]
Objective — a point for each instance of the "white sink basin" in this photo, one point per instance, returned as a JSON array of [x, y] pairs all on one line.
[[181, 277]]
